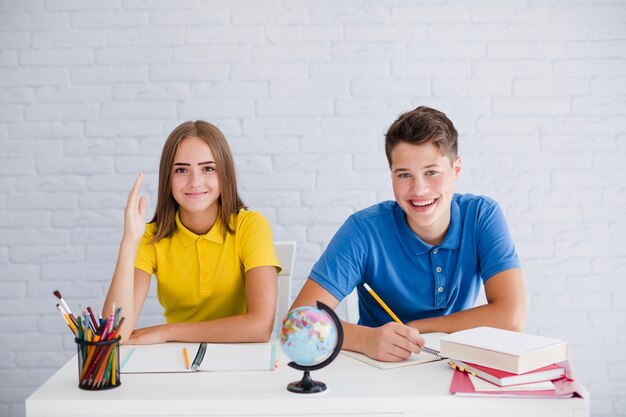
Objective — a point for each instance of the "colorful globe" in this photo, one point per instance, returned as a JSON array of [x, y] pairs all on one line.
[[308, 336]]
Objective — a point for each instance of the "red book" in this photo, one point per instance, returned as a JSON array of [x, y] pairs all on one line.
[[563, 388], [505, 379]]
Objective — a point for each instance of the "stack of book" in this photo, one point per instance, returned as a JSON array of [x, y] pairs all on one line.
[[495, 362]]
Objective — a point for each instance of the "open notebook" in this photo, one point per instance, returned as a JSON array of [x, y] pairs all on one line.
[[432, 342], [169, 357]]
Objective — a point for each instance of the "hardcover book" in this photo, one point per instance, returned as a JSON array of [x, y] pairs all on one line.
[[504, 350]]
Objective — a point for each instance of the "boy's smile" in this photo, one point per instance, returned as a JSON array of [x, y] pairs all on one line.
[[417, 204], [423, 185]]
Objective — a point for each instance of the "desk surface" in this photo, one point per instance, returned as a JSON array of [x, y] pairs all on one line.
[[355, 388]]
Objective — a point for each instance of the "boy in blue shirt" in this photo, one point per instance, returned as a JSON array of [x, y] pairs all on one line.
[[426, 254]]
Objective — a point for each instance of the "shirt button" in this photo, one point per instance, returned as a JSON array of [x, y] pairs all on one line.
[[436, 251], [440, 289], [438, 269]]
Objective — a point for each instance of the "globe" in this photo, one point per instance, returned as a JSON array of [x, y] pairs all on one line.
[[308, 335], [311, 337]]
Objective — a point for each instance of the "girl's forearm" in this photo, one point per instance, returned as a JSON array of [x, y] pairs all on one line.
[[121, 291], [241, 328]]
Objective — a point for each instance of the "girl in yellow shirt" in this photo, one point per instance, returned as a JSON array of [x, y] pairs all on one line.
[[214, 261]]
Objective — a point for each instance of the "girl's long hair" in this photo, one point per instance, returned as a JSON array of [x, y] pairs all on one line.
[[229, 202]]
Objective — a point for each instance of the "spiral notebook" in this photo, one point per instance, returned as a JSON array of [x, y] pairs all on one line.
[[432, 344]]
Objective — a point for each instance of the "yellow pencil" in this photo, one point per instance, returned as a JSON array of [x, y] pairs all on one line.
[[382, 303], [71, 324], [186, 357], [114, 367], [388, 310]]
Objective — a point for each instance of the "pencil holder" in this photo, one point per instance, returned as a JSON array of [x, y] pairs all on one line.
[[98, 364]]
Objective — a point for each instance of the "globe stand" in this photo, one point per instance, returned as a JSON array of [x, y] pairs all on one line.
[[307, 385]]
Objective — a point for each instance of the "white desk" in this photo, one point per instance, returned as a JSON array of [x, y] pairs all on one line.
[[355, 389]]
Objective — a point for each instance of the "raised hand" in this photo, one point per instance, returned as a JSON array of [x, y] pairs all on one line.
[[392, 342], [135, 213]]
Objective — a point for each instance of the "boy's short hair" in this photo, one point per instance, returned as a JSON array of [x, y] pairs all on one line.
[[421, 126]]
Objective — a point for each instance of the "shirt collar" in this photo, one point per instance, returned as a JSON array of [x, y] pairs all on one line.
[[452, 240], [453, 235], [188, 237], [418, 246]]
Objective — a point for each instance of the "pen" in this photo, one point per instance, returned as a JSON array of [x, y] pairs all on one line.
[[397, 320], [116, 317], [199, 356], [186, 357]]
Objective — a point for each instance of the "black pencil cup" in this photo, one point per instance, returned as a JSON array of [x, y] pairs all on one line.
[[98, 364]]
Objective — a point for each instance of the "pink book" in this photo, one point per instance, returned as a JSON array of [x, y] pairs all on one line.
[[505, 379], [462, 386]]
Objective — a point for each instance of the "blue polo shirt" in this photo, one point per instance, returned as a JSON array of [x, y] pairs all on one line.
[[415, 279]]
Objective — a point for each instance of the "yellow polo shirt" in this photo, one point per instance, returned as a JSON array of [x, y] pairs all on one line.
[[202, 277]]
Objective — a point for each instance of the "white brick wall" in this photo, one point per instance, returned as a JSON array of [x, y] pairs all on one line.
[[304, 90]]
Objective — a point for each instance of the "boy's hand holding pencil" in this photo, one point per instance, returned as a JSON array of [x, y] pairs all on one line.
[[394, 341]]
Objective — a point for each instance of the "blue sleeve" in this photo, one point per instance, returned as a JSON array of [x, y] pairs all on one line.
[[496, 251], [341, 266]]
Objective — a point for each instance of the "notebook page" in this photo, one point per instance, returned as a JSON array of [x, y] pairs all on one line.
[[239, 357], [161, 358], [432, 341]]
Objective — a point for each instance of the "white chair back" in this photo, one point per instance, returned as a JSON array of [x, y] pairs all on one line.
[[286, 253], [351, 303]]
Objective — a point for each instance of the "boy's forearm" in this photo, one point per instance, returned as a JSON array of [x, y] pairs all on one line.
[[506, 308], [492, 315], [354, 336]]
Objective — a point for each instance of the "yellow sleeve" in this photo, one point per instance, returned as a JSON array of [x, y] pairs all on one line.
[[255, 241], [146, 252]]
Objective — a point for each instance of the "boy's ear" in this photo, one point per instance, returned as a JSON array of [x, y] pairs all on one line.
[[457, 166]]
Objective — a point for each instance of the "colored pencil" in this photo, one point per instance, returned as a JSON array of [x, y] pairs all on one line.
[[97, 362], [93, 319], [186, 357]]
